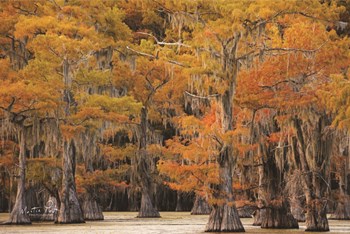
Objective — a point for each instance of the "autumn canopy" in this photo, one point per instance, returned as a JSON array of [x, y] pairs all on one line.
[[232, 108]]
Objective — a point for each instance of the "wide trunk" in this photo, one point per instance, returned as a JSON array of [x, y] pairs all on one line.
[[316, 216], [91, 210], [19, 213], [313, 163], [70, 210], [275, 212], [200, 206], [224, 217], [278, 217], [147, 209]]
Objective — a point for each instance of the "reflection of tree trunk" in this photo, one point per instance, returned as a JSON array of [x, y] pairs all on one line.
[[143, 172], [200, 206], [19, 212], [91, 210], [70, 210]]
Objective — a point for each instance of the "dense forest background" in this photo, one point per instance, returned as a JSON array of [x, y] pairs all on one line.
[[233, 108]]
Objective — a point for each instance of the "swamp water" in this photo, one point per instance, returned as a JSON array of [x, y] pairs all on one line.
[[171, 222]]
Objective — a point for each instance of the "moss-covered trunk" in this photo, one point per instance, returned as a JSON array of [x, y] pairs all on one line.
[[143, 172], [314, 150], [70, 210], [19, 212]]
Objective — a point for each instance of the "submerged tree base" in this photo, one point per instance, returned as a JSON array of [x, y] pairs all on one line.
[[91, 210], [278, 217], [224, 219], [316, 219]]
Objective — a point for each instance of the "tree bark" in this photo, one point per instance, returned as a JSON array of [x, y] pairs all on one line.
[[297, 209], [200, 206], [19, 212], [278, 217], [225, 218], [147, 209], [91, 210], [312, 165], [70, 210]]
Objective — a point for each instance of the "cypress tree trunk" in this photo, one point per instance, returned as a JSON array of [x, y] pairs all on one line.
[[278, 216], [147, 209], [200, 206], [70, 210], [277, 210], [314, 173], [225, 218], [342, 211], [91, 210], [19, 212]]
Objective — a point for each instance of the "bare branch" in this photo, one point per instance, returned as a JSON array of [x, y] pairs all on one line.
[[179, 43], [156, 57], [203, 97]]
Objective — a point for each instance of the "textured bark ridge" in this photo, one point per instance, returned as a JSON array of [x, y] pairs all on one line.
[[91, 210], [200, 206], [70, 210], [224, 219], [19, 212]]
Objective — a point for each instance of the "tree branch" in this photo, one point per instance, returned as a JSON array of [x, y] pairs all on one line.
[[202, 97]]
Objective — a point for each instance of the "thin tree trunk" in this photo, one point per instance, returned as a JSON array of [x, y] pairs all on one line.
[[70, 210], [19, 212]]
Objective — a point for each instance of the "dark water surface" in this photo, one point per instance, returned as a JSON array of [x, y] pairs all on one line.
[[171, 222]]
